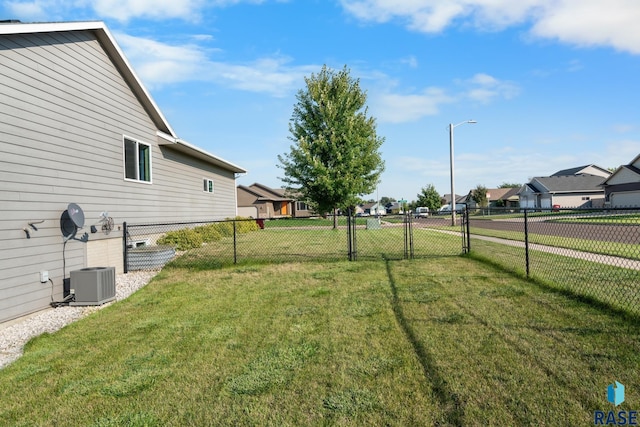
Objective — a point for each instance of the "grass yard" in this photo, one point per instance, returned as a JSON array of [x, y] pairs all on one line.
[[310, 244], [438, 341], [622, 219], [310, 222], [625, 250], [615, 286]]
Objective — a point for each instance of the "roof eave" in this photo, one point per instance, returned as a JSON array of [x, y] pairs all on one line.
[[192, 150]]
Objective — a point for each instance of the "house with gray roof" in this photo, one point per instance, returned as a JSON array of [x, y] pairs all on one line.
[[584, 170], [506, 197], [579, 187], [622, 188]]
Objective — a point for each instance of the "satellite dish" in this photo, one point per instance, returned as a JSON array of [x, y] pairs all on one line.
[[76, 214], [70, 221]]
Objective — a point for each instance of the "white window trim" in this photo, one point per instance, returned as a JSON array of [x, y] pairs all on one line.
[[124, 165], [209, 181]]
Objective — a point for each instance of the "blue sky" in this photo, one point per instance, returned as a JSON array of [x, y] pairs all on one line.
[[553, 84]]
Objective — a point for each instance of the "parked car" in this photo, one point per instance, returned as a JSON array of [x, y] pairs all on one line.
[[421, 212], [446, 209]]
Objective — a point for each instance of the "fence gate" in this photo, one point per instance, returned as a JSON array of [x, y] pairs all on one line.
[[464, 230], [408, 236]]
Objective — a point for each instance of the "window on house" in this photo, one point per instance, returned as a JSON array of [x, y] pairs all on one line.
[[302, 206], [137, 160], [207, 185], [586, 198]]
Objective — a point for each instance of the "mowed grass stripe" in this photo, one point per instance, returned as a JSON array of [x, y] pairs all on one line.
[[448, 341]]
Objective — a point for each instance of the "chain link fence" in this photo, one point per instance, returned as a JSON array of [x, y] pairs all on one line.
[[591, 253], [217, 243]]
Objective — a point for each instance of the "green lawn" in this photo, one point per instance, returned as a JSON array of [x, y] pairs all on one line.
[[437, 341], [625, 250], [613, 285], [285, 244], [628, 219]]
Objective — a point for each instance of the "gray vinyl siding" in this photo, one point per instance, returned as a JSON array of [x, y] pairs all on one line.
[[64, 110]]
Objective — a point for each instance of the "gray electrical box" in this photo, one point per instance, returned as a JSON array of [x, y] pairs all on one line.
[[93, 285]]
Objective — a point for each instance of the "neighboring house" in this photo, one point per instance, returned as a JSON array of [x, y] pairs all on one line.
[[372, 208], [394, 208], [378, 209], [77, 126], [585, 170], [497, 197], [446, 199], [580, 189], [622, 188], [504, 197], [260, 201]]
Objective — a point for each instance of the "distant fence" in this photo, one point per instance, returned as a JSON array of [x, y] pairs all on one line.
[[150, 246], [590, 252], [594, 253]]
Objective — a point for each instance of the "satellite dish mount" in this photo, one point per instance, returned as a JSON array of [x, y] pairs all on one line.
[[70, 221]]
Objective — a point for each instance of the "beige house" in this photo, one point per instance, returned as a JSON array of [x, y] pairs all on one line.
[[78, 127], [579, 187], [622, 188], [260, 201]]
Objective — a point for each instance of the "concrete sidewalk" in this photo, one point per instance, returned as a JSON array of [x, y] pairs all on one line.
[[571, 253]]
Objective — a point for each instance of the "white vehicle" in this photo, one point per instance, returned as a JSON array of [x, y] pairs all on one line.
[[446, 209], [421, 212]]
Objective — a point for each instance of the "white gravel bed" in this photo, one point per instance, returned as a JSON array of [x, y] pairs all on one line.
[[15, 334]]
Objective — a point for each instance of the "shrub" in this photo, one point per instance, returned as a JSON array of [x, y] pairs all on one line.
[[224, 228], [182, 240], [209, 233], [246, 225]]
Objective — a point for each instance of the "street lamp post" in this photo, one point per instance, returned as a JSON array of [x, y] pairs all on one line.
[[453, 191]]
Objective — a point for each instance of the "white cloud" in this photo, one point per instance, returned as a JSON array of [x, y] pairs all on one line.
[[390, 107], [124, 10], [159, 64], [30, 10], [411, 61], [395, 108], [121, 10], [593, 23], [579, 22], [623, 127], [485, 88]]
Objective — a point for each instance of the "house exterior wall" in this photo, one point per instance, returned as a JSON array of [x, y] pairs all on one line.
[[64, 111], [582, 200], [301, 210], [623, 176], [592, 170], [626, 199], [527, 198], [623, 195], [248, 211]]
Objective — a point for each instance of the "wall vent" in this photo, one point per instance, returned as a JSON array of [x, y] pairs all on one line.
[[93, 285]]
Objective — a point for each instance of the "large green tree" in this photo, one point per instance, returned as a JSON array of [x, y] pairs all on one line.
[[509, 185], [334, 158], [479, 195], [429, 197]]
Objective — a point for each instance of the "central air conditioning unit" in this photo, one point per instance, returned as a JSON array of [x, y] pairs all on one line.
[[93, 285]]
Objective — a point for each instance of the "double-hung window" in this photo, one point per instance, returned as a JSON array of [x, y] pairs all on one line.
[[137, 160], [207, 185]]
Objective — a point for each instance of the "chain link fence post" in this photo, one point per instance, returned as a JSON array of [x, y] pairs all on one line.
[[526, 242], [125, 247]]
